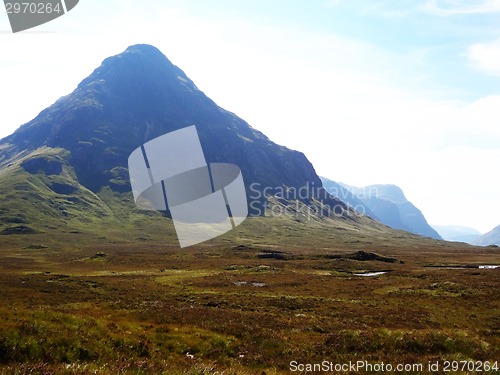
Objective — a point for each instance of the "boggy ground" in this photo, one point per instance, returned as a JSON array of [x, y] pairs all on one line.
[[75, 303]]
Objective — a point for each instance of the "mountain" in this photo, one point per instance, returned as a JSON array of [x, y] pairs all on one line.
[[341, 192], [386, 203], [68, 166], [458, 233], [490, 238], [137, 96]]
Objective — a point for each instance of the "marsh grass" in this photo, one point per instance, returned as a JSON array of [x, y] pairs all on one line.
[[75, 303]]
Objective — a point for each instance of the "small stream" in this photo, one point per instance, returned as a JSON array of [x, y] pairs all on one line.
[[466, 267], [370, 274]]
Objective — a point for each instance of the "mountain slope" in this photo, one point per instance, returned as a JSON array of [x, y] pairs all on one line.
[[339, 191], [386, 203], [68, 166], [490, 238]]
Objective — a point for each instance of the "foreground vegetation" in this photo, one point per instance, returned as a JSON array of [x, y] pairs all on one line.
[[122, 304]]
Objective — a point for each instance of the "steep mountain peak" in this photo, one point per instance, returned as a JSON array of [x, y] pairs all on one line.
[[142, 65], [146, 49], [136, 92], [144, 54], [139, 95]]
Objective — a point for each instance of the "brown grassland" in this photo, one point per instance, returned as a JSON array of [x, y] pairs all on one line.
[[77, 303]]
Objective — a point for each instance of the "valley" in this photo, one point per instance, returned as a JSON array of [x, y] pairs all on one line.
[[80, 303]]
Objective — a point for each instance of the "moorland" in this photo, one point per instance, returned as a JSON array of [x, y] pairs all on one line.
[[272, 291]]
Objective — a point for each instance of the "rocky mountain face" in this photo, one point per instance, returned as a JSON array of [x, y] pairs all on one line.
[[490, 238], [386, 203], [70, 162]]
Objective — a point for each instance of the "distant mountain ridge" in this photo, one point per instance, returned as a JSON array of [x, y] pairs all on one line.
[[458, 233], [386, 203]]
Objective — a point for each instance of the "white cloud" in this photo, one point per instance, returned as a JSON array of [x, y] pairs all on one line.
[[331, 3], [378, 8], [454, 7], [486, 57], [443, 155]]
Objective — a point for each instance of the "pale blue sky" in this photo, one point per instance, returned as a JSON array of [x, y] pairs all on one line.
[[372, 91]]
